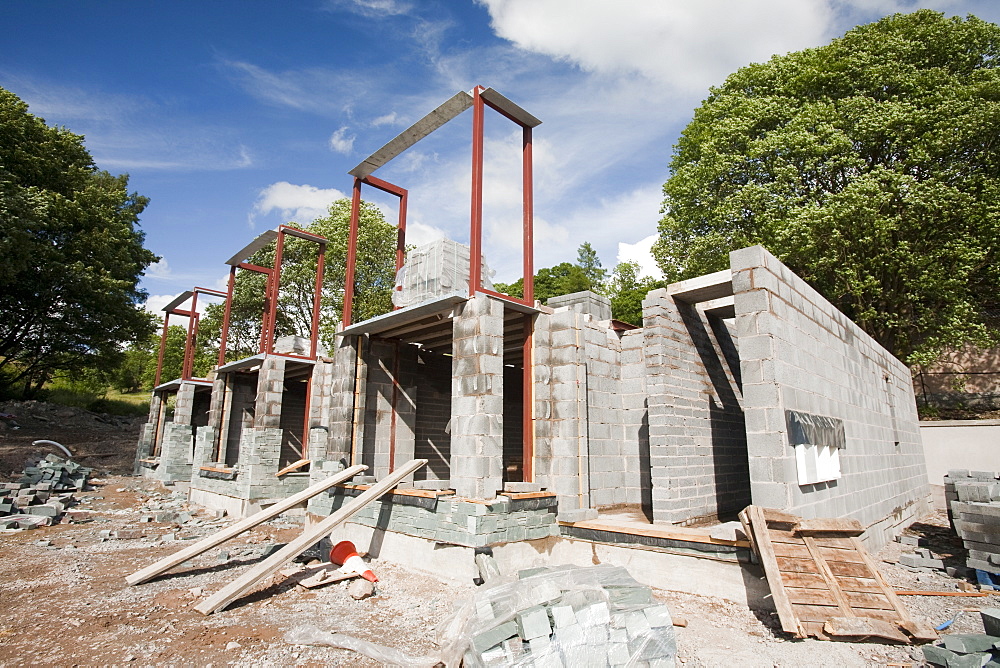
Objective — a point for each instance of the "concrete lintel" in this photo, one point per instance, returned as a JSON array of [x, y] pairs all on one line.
[[446, 111], [404, 316], [510, 108], [703, 288], [177, 382], [178, 300], [262, 240], [723, 307]]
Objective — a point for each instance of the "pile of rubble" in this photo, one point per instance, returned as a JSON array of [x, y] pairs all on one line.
[[42, 494], [569, 616], [969, 649]]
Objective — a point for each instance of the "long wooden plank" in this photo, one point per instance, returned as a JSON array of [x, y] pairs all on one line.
[[269, 566], [853, 570], [897, 605], [818, 527], [792, 565], [815, 581], [804, 596], [786, 615], [209, 542]]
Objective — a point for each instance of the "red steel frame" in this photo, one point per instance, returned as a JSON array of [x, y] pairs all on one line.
[[271, 293], [479, 105], [352, 237], [187, 366]]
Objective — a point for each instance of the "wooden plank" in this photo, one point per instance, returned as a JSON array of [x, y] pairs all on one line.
[[897, 605], [853, 570], [835, 542], [310, 535], [787, 616], [843, 556], [292, 467], [821, 526], [792, 565], [796, 550], [815, 581], [652, 531], [780, 518], [876, 601], [824, 570], [912, 592], [209, 542], [863, 627], [816, 613], [805, 596], [747, 530]]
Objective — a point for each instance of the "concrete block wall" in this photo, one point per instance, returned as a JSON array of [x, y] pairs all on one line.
[[800, 353], [477, 398], [697, 447], [184, 404], [605, 430], [176, 452], [270, 385], [635, 422], [449, 519], [433, 440], [391, 370], [596, 306], [560, 371]]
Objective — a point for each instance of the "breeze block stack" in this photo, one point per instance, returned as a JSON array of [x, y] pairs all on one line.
[[973, 499], [42, 494]]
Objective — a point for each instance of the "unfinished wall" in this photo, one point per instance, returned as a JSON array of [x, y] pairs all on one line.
[[800, 353], [477, 398], [697, 442]]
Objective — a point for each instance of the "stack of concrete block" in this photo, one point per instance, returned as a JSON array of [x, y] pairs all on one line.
[[42, 494], [569, 616], [969, 649], [434, 270], [974, 510], [448, 519]]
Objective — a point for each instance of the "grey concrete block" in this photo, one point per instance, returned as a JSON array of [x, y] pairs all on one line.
[[577, 515]]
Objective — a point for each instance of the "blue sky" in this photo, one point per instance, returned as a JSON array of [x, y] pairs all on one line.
[[235, 116]]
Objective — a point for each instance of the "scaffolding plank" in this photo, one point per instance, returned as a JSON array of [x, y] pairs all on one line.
[[308, 538], [209, 542]]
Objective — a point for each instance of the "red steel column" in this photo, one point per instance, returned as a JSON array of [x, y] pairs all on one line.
[[225, 317], [317, 300], [163, 343], [187, 366], [528, 206], [352, 255], [274, 284], [476, 218]]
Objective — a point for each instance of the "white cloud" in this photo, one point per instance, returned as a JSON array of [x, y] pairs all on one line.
[[155, 303], [371, 8], [340, 142], [159, 269], [640, 253], [418, 234], [685, 45], [385, 119], [301, 203]]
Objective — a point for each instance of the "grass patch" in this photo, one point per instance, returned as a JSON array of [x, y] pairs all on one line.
[[109, 401]]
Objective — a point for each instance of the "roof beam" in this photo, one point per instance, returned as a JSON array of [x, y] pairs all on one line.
[[703, 288]]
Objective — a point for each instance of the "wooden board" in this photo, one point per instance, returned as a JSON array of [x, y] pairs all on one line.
[[209, 542], [823, 581], [308, 538]]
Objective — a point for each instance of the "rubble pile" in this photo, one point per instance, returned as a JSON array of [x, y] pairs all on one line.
[[42, 494], [969, 649], [569, 616]]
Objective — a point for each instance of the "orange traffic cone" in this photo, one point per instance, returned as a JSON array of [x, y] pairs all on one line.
[[345, 554]]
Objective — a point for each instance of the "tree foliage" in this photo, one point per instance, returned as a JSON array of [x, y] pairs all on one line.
[[871, 166], [374, 281], [72, 254]]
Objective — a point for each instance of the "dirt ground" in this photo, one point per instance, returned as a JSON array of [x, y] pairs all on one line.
[[66, 603]]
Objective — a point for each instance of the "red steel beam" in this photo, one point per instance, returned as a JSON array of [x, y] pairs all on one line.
[[163, 344], [476, 215], [528, 207], [317, 304], [352, 255], [224, 337], [187, 366]]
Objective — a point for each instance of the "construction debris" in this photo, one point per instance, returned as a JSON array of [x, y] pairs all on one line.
[[823, 581], [969, 649], [42, 494]]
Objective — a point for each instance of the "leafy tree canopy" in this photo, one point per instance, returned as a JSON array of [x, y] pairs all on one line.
[[72, 254], [871, 166]]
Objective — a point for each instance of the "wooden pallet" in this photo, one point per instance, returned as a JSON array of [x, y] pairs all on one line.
[[823, 581]]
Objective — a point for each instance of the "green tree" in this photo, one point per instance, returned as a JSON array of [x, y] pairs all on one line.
[[870, 166], [587, 260], [564, 278], [627, 289], [72, 254], [374, 281]]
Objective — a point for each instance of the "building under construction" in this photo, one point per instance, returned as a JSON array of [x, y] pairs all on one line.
[[742, 387]]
